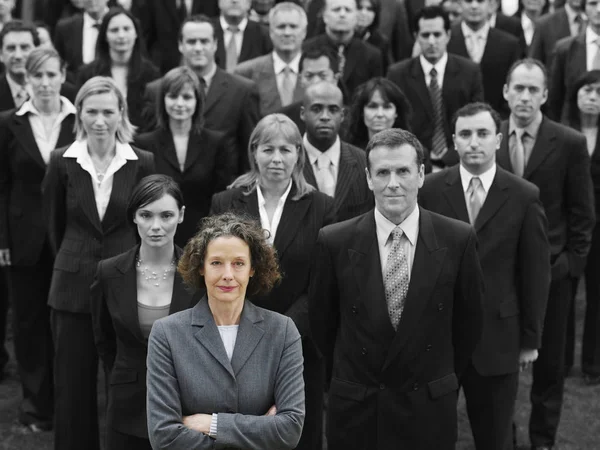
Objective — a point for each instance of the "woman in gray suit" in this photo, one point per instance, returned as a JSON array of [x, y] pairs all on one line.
[[226, 373]]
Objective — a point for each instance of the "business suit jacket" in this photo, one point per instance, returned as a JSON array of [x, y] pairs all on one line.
[[512, 26], [77, 236], [559, 166], [395, 384], [548, 31], [255, 42], [394, 26], [462, 84], [22, 169], [6, 100], [293, 112], [266, 369], [515, 258], [352, 194], [261, 71], [121, 345], [68, 41], [501, 51], [208, 169]]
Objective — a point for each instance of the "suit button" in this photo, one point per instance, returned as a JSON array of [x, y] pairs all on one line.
[[364, 351], [416, 387], [429, 347], [382, 386], [354, 309], [440, 306]]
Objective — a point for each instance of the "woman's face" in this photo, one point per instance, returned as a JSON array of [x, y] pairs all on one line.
[[276, 160], [100, 115], [588, 99], [157, 221], [379, 114], [227, 269], [121, 34], [47, 80], [181, 105], [366, 14]]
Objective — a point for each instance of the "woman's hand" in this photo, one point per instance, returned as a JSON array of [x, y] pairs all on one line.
[[198, 422]]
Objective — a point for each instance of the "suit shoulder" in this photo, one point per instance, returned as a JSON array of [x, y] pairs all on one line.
[[239, 81], [314, 41], [321, 201], [449, 226], [143, 155], [107, 267], [400, 67], [433, 180], [212, 136], [253, 64], [503, 37], [226, 197], [465, 63], [338, 232], [68, 22], [564, 132], [526, 190], [147, 141], [563, 45], [355, 152]]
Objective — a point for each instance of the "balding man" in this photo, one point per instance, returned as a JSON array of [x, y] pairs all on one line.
[[334, 167]]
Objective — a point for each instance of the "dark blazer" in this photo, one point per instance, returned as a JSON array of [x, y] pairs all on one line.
[[462, 85], [395, 383], [352, 194], [548, 31], [515, 259], [595, 173], [119, 339], [6, 100], [293, 112], [78, 237], [512, 25], [363, 61], [136, 85], [255, 42], [22, 170], [380, 42], [208, 170], [68, 41], [559, 166], [222, 111], [568, 63], [501, 51], [394, 26]]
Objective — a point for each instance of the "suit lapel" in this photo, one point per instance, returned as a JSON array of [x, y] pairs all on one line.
[[309, 173], [268, 77], [457, 43], [343, 184], [496, 197], [171, 7], [247, 203], [455, 195], [353, 56], [78, 40], [221, 55], [247, 43], [168, 149], [544, 146], [216, 90], [125, 287], [66, 135], [194, 149], [123, 181], [292, 217], [418, 76], [562, 24], [503, 155], [249, 335], [578, 56], [182, 297], [84, 190], [24, 134]]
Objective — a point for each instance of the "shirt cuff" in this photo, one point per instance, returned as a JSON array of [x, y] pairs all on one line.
[[213, 426]]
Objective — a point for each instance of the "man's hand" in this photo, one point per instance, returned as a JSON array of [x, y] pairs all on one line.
[[527, 357], [272, 411], [198, 422], [4, 257]]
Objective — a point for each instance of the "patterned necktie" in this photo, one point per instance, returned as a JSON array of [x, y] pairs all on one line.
[[325, 176], [341, 60], [517, 153], [395, 278], [287, 87], [476, 195], [439, 138], [232, 50]]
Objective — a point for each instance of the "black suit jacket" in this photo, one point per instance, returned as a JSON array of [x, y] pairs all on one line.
[[462, 85], [295, 242], [6, 100], [548, 31], [22, 170], [512, 25], [293, 112], [68, 41], [352, 194], [255, 42], [119, 339], [208, 170], [559, 166], [231, 107], [78, 237], [501, 51], [395, 383], [515, 258]]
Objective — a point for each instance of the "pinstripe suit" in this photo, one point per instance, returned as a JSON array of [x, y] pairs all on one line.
[[295, 244], [80, 241]]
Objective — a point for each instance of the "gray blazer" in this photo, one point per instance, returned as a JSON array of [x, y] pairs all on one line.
[[189, 373]]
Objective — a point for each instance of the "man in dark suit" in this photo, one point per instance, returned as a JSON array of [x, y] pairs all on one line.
[[334, 167], [231, 101], [358, 61], [395, 308], [555, 159], [494, 50], [394, 26], [457, 82], [515, 257], [509, 24], [238, 38]]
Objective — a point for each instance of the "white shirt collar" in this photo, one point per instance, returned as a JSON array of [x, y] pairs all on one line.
[[482, 32], [78, 149], [279, 64], [66, 108], [591, 37], [571, 13], [487, 178], [241, 26], [440, 66], [332, 152], [89, 21], [492, 20], [281, 202], [410, 226]]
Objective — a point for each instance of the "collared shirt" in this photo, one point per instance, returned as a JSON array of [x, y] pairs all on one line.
[[487, 178], [271, 226], [528, 28], [90, 36], [333, 153], [440, 67], [279, 65], [239, 36], [410, 228], [15, 88], [102, 185], [480, 35], [46, 139], [592, 41], [209, 76], [492, 20], [529, 140], [574, 27]]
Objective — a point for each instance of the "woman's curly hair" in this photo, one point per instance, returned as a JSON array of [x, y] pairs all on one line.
[[262, 254]]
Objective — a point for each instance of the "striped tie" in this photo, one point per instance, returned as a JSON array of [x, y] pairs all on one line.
[[439, 138]]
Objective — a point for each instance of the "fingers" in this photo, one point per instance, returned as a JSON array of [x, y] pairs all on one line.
[[272, 411]]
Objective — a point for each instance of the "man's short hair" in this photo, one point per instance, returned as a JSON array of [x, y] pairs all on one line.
[[319, 52], [472, 109], [197, 18], [529, 63], [287, 7], [432, 12], [17, 26], [396, 137]]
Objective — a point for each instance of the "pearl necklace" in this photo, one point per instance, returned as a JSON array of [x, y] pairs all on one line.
[[151, 276]]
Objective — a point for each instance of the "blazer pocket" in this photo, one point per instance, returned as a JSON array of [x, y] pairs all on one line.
[[123, 376], [347, 389], [508, 309], [443, 386], [66, 262], [71, 246]]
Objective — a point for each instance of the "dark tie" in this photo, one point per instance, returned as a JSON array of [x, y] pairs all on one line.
[[204, 86], [96, 25], [341, 60], [182, 10], [439, 138]]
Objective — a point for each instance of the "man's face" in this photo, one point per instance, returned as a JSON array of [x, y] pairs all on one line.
[[15, 49], [476, 12], [526, 92], [316, 70], [476, 140], [395, 179], [198, 45], [454, 10], [433, 38], [6, 7], [592, 11], [340, 15], [287, 31], [234, 8], [95, 7], [323, 112]]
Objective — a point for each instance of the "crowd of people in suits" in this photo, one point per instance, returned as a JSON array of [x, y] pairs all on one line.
[[386, 200]]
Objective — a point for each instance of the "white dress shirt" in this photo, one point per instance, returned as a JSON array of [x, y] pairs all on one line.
[[102, 187], [410, 228], [90, 36], [487, 178], [239, 36], [279, 65], [46, 139], [591, 47], [271, 226], [479, 38], [440, 67], [325, 184]]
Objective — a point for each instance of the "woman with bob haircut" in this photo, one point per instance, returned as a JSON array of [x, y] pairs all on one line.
[[226, 373], [197, 158], [24, 248], [86, 189], [275, 193], [132, 291], [119, 55]]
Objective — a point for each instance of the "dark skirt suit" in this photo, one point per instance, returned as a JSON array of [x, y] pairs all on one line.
[[80, 240], [295, 242], [207, 170], [123, 347], [23, 231]]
